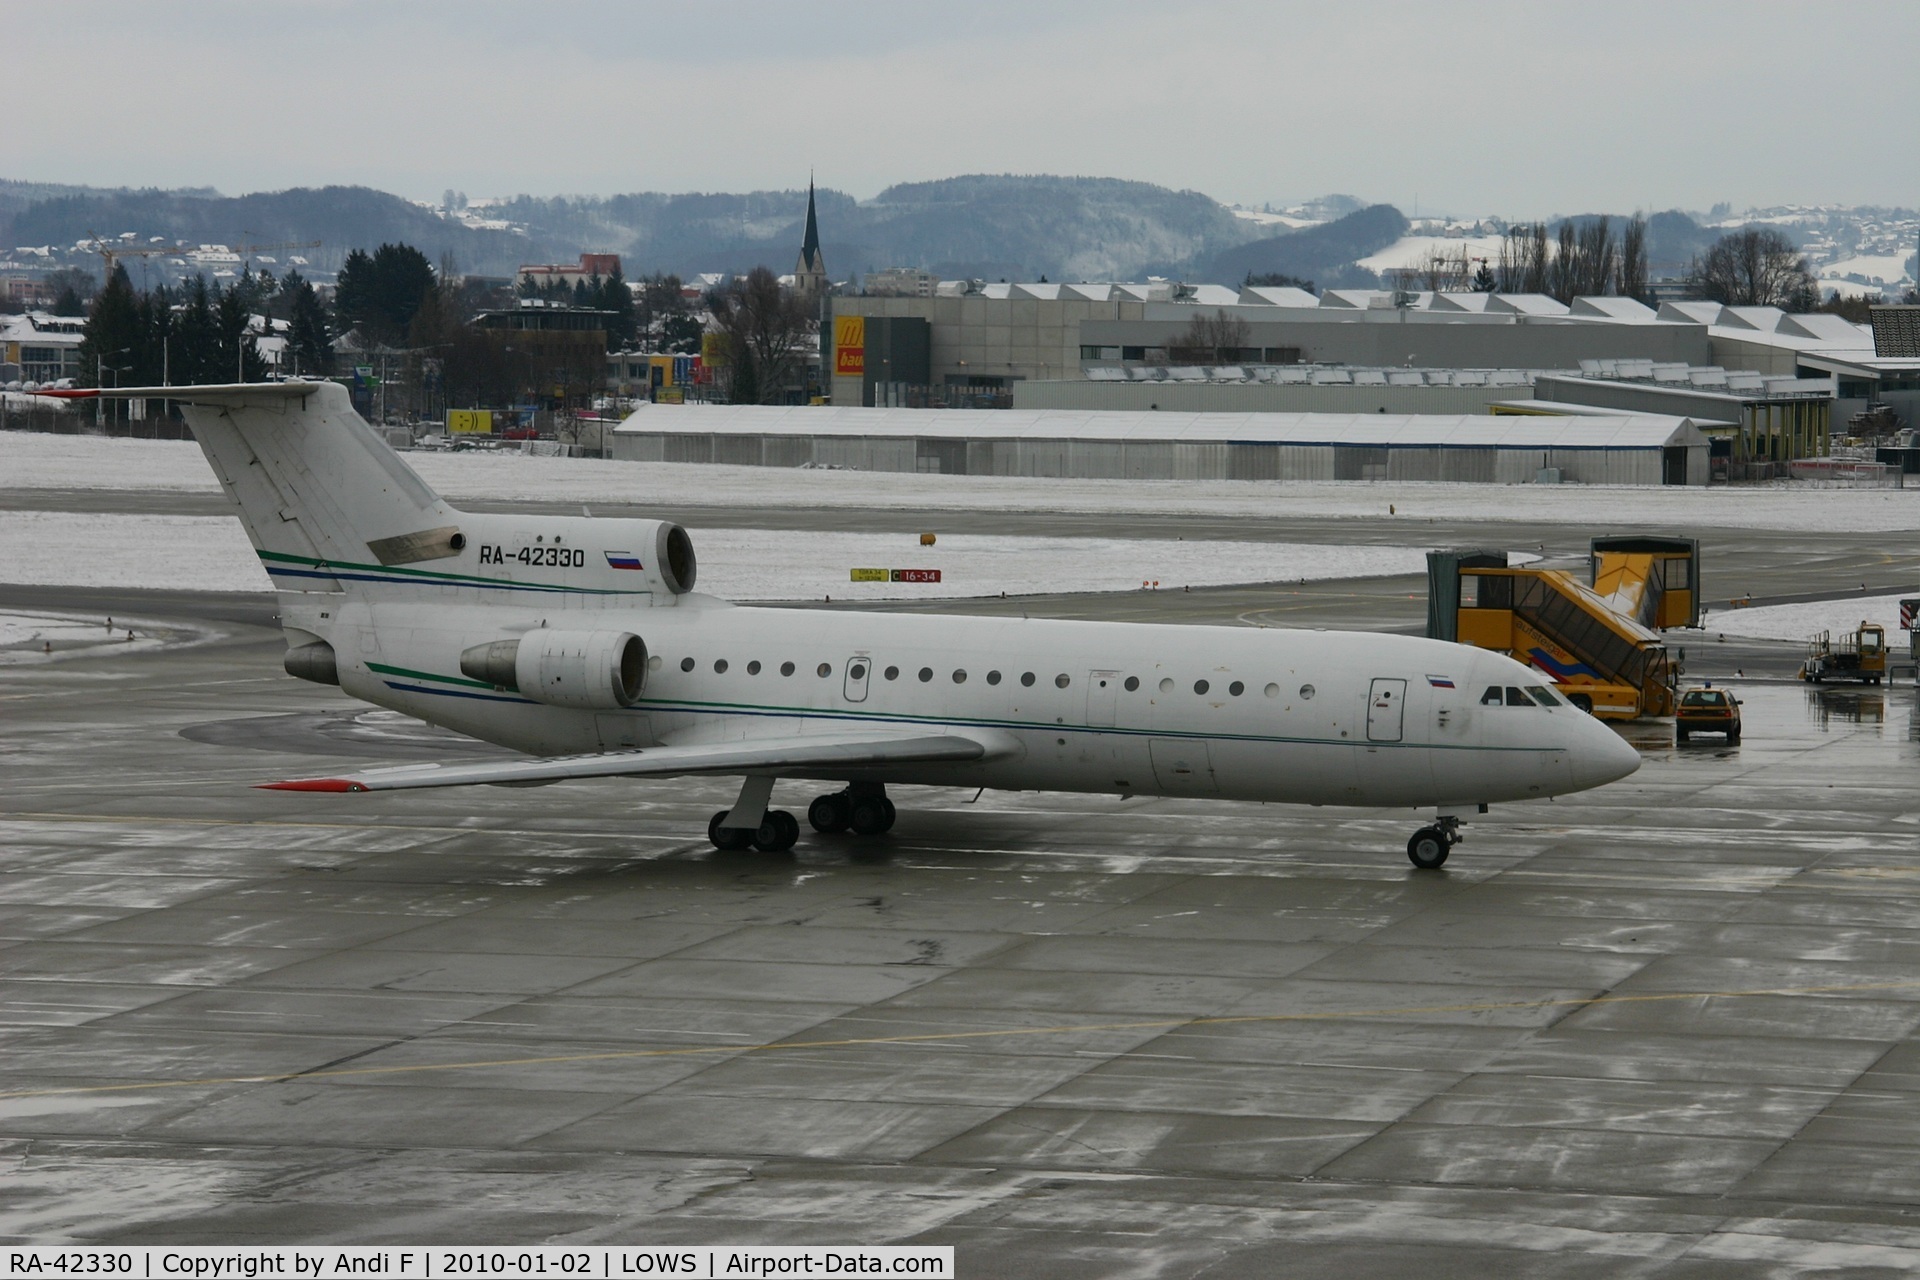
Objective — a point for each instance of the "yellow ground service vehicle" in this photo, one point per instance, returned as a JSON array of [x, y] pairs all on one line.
[[1599, 659], [1858, 655]]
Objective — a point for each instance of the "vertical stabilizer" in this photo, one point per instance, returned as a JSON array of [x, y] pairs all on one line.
[[316, 488]]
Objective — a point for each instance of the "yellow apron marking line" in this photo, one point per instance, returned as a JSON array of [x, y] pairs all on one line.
[[939, 1037]]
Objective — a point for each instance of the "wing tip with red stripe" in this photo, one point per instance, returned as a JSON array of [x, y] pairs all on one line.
[[311, 784]]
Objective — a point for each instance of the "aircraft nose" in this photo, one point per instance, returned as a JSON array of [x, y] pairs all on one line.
[[1601, 756]]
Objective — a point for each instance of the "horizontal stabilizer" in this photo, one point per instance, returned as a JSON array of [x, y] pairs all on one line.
[[786, 755]]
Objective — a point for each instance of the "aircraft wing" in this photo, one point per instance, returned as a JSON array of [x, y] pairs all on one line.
[[784, 755]]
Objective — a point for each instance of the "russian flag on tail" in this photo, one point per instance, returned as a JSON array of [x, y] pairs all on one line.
[[623, 560]]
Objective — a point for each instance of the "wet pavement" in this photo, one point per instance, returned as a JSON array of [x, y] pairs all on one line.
[[1664, 1029]]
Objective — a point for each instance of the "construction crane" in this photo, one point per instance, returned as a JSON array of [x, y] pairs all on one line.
[[114, 250]]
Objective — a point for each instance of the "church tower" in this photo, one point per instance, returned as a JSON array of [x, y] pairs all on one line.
[[810, 273]]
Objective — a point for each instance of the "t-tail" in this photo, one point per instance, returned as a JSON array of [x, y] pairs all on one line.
[[342, 524]]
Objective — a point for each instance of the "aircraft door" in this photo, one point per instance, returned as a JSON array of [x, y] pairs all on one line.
[[1103, 693], [1183, 766], [1386, 710], [859, 671]]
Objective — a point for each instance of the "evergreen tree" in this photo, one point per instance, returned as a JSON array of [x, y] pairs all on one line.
[[616, 297], [378, 293], [196, 345], [112, 334], [1483, 281], [308, 341]]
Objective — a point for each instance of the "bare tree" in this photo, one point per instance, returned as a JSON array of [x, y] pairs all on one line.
[[1631, 279], [1598, 258], [1755, 267], [1523, 259], [1210, 339], [763, 332], [1447, 272]]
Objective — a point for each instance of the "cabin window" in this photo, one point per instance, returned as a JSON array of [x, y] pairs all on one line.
[[653, 663], [1201, 686], [1236, 688], [1541, 696], [1517, 698], [719, 666], [1306, 691], [1492, 697], [686, 664], [1062, 680], [892, 673], [1133, 682], [825, 669], [926, 674], [993, 677], [1166, 684], [753, 668], [786, 668], [1026, 678], [959, 677]]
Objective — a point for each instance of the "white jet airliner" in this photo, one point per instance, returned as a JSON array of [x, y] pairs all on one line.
[[581, 642]]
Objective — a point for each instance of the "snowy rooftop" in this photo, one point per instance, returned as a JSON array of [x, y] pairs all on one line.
[[1619, 431]]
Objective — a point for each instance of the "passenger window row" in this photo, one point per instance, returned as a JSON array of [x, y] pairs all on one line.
[[1027, 678]]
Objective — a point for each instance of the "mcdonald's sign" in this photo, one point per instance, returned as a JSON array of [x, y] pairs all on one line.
[[849, 346]]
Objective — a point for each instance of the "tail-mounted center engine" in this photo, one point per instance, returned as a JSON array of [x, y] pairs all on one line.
[[588, 670]]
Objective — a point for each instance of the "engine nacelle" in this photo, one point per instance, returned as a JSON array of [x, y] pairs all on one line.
[[589, 670]]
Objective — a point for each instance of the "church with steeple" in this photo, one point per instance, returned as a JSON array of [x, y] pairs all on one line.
[[810, 273]]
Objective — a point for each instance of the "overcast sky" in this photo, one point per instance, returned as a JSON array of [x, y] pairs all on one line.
[[1519, 109]]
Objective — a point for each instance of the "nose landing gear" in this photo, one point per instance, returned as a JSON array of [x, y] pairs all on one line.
[[1429, 847]]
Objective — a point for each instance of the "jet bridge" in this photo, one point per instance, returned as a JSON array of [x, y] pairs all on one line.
[[1600, 659]]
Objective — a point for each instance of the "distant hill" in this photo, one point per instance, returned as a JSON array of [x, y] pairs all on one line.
[[1324, 254], [990, 226], [342, 217], [985, 225]]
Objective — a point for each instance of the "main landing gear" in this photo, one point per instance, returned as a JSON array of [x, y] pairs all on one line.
[[862, 808], [1430, 846]]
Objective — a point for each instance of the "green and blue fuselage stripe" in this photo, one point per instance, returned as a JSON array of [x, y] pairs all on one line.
[[281, 565]]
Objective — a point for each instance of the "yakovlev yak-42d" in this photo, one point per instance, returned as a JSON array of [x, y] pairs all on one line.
[[581, 642]]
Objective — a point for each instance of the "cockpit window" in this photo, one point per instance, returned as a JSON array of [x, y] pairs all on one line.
[[1518, 697], [1492, 697], [1542, 696]]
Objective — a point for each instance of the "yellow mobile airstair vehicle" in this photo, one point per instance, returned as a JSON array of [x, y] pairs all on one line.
[[1600, 644]]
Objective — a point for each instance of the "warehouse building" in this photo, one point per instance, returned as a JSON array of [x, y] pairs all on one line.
[[1455, 448], [982, 340]]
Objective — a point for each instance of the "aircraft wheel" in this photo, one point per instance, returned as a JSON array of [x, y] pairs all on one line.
[[830, 814], [728, 837], [1429, 848], [871, 815], [891, 814], [777, 833]]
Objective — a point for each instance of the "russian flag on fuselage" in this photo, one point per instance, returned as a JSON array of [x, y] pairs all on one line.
[[623, 560]]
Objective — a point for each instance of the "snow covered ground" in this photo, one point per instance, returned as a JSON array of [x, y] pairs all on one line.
[[210, 553], [34, 461], [1804, 621], [1416, 251]]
